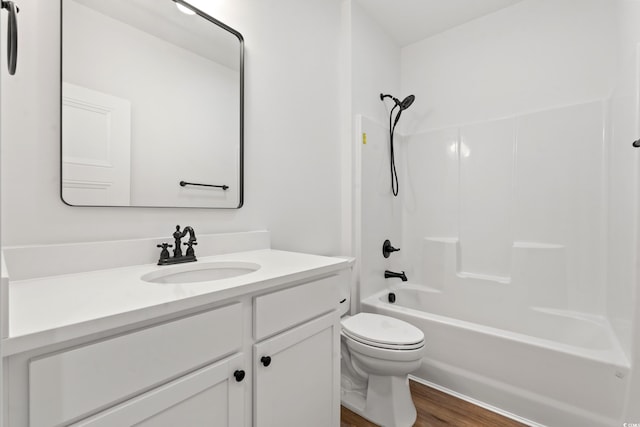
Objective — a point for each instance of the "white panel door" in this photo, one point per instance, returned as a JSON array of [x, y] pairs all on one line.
[[211, 396], [96, 152], [297, 376]]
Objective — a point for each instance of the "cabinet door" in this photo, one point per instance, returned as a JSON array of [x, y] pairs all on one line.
[[211, 396], [74, 383], [297, 376]]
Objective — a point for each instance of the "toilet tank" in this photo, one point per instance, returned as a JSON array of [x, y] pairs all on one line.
[[344, 294]]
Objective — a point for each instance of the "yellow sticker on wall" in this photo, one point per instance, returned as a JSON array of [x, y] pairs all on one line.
[[364, 138]]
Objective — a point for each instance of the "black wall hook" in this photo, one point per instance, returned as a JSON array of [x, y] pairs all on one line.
[[12, 35]]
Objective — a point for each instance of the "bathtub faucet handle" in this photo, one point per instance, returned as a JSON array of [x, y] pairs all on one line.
[[387, 248]]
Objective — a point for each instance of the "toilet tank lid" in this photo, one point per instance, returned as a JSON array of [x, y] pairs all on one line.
[[382, 329]]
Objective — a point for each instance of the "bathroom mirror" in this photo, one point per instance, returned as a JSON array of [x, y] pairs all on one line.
[[152, 106]]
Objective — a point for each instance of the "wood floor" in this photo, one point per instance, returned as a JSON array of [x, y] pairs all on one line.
[[438, 409]]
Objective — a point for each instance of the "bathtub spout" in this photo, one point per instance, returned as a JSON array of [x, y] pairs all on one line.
[[388, 274]]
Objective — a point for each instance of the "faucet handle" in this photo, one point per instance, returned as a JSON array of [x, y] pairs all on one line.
[[387, 249], [164, 254], [190, 244]]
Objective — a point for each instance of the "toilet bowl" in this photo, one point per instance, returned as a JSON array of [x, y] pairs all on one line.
[[378, 352]]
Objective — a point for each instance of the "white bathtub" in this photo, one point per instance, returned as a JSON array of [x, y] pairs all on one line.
[[551, 367]]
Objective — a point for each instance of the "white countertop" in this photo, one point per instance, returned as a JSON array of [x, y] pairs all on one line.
[[53, 309]]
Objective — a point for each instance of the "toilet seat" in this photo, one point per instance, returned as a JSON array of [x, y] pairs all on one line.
[[384, 346], [383, 332]]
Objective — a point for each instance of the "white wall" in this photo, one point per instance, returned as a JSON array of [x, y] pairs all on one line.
[[375, 66], [623, 237], [623, 175], [375, 69], [531, 56], [292, 134]]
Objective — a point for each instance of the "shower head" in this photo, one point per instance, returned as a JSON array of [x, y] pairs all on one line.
[[404, 104]]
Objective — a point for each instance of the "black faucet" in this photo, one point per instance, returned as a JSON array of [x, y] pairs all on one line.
[[178, 258], [388, 274]]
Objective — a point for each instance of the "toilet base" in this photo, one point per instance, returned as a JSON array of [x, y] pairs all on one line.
[[387, 402]]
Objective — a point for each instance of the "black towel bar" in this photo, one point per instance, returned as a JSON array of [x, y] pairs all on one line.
[[185, 183]]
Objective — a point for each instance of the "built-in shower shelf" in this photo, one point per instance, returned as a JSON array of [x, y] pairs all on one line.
[[442, 239], [537, 271], [536, 245], [487, 277]]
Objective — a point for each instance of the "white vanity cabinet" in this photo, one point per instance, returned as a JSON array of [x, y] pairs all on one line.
[[296, 371], [203, 367]]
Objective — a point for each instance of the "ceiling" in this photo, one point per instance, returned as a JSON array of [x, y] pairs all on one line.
[[408, 21]]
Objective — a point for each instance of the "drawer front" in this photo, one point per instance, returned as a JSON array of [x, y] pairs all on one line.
[[281, 310], [67, 385]]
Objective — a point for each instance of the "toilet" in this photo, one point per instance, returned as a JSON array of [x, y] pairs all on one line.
[[378, 352]]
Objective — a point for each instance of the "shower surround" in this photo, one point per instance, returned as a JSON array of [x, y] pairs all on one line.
[[502, 227], [517, 210]]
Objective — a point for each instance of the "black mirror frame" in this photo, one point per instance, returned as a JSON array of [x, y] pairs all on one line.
[[241, 112]]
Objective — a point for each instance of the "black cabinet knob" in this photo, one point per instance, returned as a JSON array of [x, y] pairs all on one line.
[[266, 360], [239, 374]]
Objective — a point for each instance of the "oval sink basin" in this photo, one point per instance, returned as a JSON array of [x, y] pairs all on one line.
[[200, 272]]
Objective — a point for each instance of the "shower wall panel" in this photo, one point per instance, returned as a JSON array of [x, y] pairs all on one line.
[[431, 198], [526, 208], [485, 157], [560, 193]]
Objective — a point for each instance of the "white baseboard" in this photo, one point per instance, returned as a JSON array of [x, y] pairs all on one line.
[[476, 402]]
